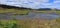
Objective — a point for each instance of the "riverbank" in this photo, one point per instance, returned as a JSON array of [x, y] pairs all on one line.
[[15, 11], [26, 11], [29, 18], [27, 23], [30, 14]]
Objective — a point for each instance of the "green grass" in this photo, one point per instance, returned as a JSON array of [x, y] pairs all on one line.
[[15, 11], [26, 23], [58, 12], [8, 23]]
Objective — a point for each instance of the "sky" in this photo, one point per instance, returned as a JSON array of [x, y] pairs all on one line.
[[34, 4]]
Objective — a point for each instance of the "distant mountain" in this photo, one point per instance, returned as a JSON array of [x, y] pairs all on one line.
[[44, 9]]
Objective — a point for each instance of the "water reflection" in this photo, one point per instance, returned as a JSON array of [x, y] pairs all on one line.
[[31, 15]]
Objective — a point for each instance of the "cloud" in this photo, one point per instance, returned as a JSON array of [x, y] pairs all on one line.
[[35, 4], [55, 4]]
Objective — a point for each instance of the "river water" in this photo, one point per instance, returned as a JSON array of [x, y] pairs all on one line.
[[31, 15]]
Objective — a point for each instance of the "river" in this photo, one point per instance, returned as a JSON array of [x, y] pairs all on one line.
[[31, 15]]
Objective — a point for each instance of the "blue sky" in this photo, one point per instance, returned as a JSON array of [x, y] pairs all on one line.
[[50, 1], [34, 4]]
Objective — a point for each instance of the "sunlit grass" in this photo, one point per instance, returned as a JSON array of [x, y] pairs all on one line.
[[14, 11], [34, 23], [48, 11], [58, 12], [26, 23]]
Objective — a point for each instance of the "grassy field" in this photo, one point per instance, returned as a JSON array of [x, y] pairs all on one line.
[[36, 23], [49, 11], [15, 11], [26, 23]]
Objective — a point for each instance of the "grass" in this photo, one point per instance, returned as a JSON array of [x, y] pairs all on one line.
[[48, 11], [27, 23], [58, 12], [15, 11], [34, 23], [7, 23]]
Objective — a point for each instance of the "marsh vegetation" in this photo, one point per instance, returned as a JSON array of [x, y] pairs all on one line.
[[25, 18]]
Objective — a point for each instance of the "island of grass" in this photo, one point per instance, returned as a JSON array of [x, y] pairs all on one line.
[[14, 11]]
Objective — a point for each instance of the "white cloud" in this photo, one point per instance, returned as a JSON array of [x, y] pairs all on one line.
[[32, 3]]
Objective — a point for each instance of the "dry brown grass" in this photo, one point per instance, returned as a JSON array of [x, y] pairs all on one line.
[[38, 23], [35, 23]]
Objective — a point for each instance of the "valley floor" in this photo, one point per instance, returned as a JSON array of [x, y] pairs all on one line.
[[28, 23]]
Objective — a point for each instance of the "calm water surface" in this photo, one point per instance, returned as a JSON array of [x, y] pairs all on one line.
[[31, 15]]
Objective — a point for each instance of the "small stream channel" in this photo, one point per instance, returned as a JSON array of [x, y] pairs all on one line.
[[30, 15]]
